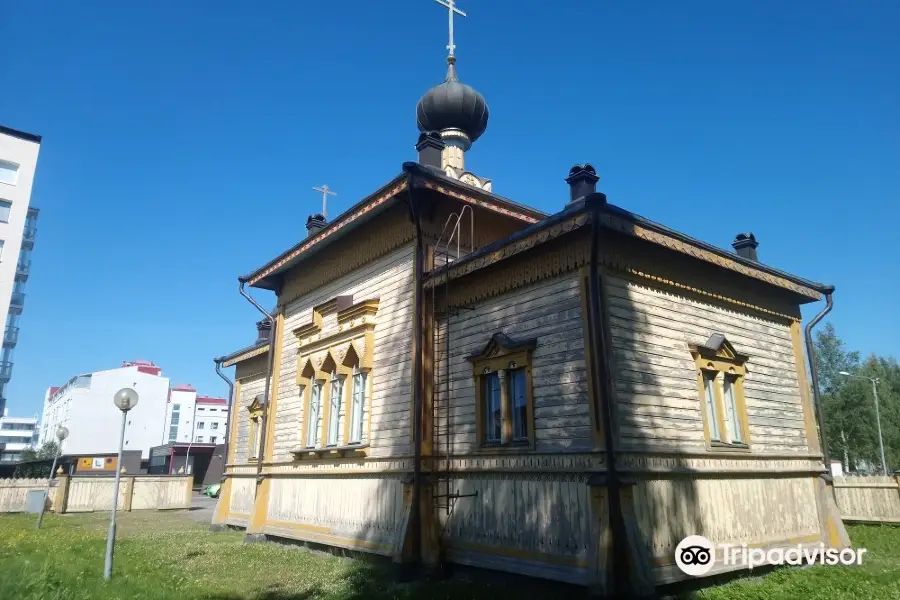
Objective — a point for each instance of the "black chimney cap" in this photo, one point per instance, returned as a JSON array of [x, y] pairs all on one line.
[[430, 147], [583, 181], [263, 328], [745, 245], [315, 223]]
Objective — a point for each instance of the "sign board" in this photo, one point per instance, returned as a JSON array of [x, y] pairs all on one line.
[[96, 463]]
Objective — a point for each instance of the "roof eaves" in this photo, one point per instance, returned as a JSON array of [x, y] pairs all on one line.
[[260, 278]]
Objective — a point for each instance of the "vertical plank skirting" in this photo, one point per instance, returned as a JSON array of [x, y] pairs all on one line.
[[875, 499]]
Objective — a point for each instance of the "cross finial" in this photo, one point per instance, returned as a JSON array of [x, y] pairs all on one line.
[[450, 5], [326, 191]]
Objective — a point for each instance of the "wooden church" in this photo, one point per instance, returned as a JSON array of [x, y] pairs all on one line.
[[450, 377]]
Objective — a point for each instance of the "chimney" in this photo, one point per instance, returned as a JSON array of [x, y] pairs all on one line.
[[745, 245], [582, 180], [262, 330], [314, 224], [430, 147]]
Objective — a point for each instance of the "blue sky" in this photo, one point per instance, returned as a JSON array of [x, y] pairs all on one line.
[[181, 140]]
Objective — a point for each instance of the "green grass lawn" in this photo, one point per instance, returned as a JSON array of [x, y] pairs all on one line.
[[163, 555]]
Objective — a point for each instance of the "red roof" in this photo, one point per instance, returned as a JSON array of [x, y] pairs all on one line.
[[211, 400], [54, 389], [183, 387], [150, 370]]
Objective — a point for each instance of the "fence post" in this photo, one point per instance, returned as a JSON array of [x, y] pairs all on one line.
[[62, 494], [129, 493]]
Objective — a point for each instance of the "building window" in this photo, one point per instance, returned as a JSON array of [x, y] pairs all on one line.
[[173, 433], [720, 384], [358, 401], [214, 425], [312, 414], [9, 172], [201, 425], [5, 205], [212, 439], [505, 414], [334, 408], [201, 409], [253, 440], [199, 439]]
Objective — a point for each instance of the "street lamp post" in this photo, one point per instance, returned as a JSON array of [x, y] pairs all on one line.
[[125, 399], [874, 381], [62, 432]]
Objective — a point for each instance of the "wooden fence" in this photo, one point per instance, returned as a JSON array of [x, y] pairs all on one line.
[[873, 499], [91, 493]]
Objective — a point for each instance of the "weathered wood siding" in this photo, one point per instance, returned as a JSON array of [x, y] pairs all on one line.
[[363, 512], [734, 510], [14, 493], [390, 279], [874, 499], [549, 311], [656, 378], [537, 526], [243, 494], [250, 388]]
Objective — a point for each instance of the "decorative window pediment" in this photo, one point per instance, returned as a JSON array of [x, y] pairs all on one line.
[[720, 385], [503, 393], [718, 347], [256, 405], [501, 344]]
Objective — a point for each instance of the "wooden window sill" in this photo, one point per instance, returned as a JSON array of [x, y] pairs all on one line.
[[356, 450], [512, 447], [717, 446]]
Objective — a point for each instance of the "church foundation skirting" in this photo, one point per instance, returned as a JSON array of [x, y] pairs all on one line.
[[552, 523]]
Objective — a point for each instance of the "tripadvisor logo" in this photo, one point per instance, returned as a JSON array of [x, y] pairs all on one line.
[[695, 555]]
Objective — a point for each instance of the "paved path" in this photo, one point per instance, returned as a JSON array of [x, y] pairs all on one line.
[[202, 508]]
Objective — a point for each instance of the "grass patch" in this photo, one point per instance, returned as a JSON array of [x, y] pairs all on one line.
[[164, 555]]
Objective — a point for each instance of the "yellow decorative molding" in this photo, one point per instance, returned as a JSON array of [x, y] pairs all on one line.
[[335, 226], [388, 232], [630, 228], [361, 310], [246, 356], [479, 202]]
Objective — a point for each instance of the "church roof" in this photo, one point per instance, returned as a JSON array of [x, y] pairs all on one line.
[[265, 277], [577, 214]]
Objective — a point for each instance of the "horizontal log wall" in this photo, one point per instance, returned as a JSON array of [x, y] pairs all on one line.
[[390, 279], [656, 377], [250, 388], [875, 499], [549, 311]]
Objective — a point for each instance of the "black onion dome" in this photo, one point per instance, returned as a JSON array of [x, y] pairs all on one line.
[[453, 105]]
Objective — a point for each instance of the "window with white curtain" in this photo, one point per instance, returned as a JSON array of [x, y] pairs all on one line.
[[358, 406]]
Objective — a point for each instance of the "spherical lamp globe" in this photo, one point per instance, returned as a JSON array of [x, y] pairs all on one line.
[[62, 432], [125, 399]]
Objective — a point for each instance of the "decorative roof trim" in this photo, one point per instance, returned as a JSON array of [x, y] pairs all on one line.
[[253, 352], [478, 202], [717, 346], [667, 241], [341, 222]]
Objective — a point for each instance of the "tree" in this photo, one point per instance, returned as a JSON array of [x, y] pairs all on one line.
[[47, 450], [850, 424]]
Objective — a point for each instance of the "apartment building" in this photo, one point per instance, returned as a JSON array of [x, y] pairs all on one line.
[[16, 435], [18, 226], [192, 418]]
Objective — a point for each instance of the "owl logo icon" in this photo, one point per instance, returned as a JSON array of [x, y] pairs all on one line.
[[695, 555]]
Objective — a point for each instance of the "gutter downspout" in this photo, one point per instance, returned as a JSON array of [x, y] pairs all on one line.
[[603, 385], [415, 518], [814, 374], [270, 367], [231, 399]]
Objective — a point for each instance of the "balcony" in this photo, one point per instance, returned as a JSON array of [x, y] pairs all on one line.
[[22, 269], [28, 235], [10, 337], [17, 299], [6, 370]]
